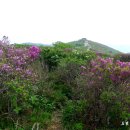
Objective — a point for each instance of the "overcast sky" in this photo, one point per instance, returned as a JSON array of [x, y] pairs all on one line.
[[47, 21]]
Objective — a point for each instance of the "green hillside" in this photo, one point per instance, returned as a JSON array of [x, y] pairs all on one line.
[[97, 47]]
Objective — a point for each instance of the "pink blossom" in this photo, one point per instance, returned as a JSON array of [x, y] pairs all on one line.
[[1, 52]]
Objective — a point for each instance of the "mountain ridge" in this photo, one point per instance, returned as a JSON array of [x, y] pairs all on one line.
[[95, 46]]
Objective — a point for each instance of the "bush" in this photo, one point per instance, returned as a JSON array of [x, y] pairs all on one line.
[[104, 85], [52, 56], [73, 115], [18, 84]]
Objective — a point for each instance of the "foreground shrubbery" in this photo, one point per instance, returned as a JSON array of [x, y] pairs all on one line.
[[20, 101], [105, 88]]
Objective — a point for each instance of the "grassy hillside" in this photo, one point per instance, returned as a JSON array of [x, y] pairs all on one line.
[[88, 44]]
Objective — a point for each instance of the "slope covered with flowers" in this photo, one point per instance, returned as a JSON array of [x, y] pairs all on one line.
[[86, 90], [116, 71]]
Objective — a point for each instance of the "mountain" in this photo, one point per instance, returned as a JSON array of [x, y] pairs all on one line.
[[95, 46], [84, 44]]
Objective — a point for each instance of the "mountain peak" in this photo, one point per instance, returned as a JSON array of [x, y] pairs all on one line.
[[83, 39], [95, 46]]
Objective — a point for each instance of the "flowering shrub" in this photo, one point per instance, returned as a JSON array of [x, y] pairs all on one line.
[[34, 52], [104, 86], [17, 78], [115, 71], [108, 90], [17, 60]]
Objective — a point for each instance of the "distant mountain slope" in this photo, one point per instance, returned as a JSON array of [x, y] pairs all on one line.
[[35, 44], [98, 47]]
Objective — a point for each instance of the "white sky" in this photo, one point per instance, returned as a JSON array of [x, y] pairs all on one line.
[[47, 21]]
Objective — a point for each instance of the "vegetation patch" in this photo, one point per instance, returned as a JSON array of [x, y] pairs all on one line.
[[63, 86]]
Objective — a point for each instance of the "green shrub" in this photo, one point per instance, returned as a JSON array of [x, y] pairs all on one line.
[[52, 56], [108, 98], [73, 115]]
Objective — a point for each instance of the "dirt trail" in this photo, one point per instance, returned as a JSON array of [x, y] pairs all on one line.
[[56, 122]]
